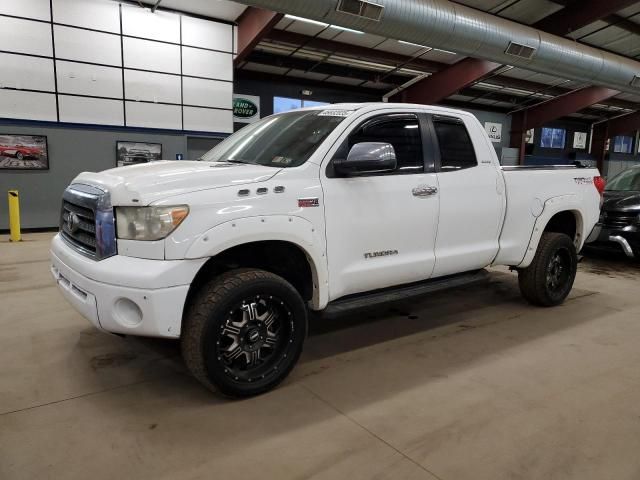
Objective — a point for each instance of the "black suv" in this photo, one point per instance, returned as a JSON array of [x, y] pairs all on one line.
[[620, 218]]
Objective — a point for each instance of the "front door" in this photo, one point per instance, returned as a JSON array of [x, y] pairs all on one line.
[[381, 228]]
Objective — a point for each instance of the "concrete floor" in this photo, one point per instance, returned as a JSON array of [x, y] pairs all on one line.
[[468, 384]]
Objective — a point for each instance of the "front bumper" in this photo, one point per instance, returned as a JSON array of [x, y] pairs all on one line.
[[626, 240], [125, 295]]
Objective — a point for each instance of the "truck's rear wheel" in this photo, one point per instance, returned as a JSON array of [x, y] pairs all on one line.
[[243, 332], [549, 278]]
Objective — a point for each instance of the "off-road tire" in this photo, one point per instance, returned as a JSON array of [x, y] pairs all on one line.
[[209, 312], [534, 281]]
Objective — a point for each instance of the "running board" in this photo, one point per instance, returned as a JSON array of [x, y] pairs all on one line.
[[404, 292]]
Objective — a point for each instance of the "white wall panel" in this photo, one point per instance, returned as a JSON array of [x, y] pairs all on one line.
[[25, 36], [208, 120], [83, 79], [207, 93], [86, 46], [90, 110], [204, 63], [19, 71], [27, 105], [153, 87], [96, 14], [38, 9], [153, 115], [206, 34], [147, 55], [140, 22]]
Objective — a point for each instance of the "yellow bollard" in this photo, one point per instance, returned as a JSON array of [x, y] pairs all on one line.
[[14, 216]]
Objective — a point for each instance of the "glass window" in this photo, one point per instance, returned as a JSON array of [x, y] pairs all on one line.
[[402, 131], [552, 137], [623, 144], [285, 140], [456, 149], [313, 103], [284, 104], [627, 181]]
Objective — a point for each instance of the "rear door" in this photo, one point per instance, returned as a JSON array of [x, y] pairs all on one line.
[[380, 227], [471, 197]]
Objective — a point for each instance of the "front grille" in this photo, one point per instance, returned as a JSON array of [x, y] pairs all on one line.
[[78, 226], [618, 220], [86, 221]]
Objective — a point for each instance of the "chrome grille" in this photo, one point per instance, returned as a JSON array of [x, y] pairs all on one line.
[[618, 219], [86, 221]]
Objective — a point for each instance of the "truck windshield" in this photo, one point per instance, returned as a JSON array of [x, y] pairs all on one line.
[[627, 181], [285, 140]]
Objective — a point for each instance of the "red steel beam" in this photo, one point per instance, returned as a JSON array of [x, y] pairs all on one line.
[[572, 102], [253, 24], [446, 82], [579, 14], [541, 113]]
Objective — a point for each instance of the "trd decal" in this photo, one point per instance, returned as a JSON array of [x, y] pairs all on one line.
[[583, 180], [308, 202]]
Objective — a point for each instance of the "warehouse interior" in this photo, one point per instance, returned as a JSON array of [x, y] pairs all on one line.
[[467, 383]]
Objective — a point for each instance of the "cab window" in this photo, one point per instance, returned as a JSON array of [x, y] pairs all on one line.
[[400, 130], [456, 149]]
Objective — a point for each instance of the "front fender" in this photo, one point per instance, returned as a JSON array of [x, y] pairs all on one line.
[[287, 228], [572, 203]]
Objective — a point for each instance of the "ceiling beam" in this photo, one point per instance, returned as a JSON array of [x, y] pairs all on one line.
[[396, 60], [613, 19], [580, 14], [253, 24], [447, 81]]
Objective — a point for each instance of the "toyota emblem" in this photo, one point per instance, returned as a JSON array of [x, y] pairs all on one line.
[[73, 222]]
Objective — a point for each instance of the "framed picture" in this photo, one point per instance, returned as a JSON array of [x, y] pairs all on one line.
[[132, 153], [23, 152]]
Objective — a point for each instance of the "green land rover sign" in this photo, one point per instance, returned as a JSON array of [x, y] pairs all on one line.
[[246, 108]]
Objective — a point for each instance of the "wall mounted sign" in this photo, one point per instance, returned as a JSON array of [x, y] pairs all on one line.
[[580, 140], [23, 152], [529, 136], [132, 153], [246, 108], [494, 130]]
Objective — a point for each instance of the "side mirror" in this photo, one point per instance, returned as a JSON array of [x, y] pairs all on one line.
[[367, 157]]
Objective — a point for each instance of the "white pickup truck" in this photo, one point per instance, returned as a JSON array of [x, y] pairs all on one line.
[[331, 207]]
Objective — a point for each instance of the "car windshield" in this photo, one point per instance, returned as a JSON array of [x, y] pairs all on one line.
[[284, 140], [627, 181]]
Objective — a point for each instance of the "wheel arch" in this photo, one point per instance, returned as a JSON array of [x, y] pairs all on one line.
[[560, 215]]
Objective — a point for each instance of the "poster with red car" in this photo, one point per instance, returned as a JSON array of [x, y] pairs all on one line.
[[23, 152]]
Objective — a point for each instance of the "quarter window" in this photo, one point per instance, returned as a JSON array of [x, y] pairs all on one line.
[[402, 131], [456, 149]]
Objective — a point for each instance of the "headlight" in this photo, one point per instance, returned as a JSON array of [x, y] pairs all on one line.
[[148, 223]]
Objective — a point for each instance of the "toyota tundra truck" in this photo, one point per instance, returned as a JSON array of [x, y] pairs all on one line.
[[334, 207]]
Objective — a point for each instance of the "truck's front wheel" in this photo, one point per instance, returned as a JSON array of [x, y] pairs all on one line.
[[549, 278], [243, 332]]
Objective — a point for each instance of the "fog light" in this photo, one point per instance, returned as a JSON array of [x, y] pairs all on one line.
[[127, 312]]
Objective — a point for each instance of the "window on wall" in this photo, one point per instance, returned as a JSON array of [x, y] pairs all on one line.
[[623, 144], [553, 137], [285, 104]]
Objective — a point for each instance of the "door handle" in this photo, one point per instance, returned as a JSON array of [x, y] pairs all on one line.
[[424, 191]]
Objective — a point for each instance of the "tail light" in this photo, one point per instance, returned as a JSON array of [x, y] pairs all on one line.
[[599, 183]]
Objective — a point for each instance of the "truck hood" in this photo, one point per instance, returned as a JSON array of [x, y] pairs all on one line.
[[621, 201], [149, 182]]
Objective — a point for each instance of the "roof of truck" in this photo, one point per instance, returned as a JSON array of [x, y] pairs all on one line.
[[372, 105]]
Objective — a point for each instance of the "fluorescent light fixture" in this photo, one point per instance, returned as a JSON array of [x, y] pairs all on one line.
[[413, 44], [444, 51], [307, 20], [346, 29], [411, 126]]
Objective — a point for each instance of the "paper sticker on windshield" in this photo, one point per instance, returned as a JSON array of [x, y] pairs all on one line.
[[281, 160], [335, 113]]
